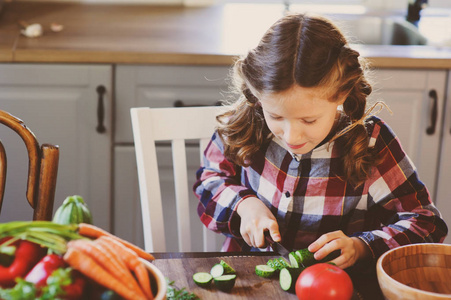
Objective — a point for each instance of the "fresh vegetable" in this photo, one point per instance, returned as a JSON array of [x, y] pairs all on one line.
[[227, 268], [107, 260], [73, 211], [202, 279], [264, 271], [26, 255], [278, 263], [94, 232], [307, 258], [288, 277], [295, 260], [45, 233], [90, 268], [174, 293], [324, 281], [60, 285], [225, 282], [131, 260], [217, 270], [44, 268]]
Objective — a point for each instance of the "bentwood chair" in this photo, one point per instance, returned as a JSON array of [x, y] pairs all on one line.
[[42, 169], [151, 125]]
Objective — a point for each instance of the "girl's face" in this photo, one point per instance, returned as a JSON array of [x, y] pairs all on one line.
[[300, 117]]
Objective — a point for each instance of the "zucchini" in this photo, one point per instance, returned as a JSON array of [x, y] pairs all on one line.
[[288, 277], [73, 211], [264, 271], [202, 279], [225, 282]]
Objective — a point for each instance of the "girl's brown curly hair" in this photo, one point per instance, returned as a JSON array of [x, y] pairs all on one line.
[[309, 51]]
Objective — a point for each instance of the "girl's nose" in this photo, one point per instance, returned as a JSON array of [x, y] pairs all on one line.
[[292, 134]]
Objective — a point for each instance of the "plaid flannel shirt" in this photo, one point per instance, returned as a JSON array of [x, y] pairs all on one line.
[[308, 196]]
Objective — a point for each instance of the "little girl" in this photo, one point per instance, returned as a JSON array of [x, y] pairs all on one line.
[[300, 156]]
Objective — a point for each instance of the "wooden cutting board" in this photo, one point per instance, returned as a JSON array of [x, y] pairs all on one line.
[[247, 286]]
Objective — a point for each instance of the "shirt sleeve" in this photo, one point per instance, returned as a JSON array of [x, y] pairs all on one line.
[[399, 204], [219, 190]]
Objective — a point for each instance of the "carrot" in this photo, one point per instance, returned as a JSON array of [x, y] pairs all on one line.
[[132, 261], [110, 263], [92, 231], [90, 268]]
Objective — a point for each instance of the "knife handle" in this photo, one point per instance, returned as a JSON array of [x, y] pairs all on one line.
[[268, 238]]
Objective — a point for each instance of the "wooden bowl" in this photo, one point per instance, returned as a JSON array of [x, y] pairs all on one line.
[[418, 271], [157, 280]]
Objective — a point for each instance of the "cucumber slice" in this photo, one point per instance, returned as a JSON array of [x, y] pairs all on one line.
[[264, 271], [202, 279], [306, 257], [295, 261], [225, 282], [217, 270], [288, 277], [227, 268]]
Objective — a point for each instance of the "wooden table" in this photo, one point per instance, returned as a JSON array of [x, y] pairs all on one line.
[[180, 267]]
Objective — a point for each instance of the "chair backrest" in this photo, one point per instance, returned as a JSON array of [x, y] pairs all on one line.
[[42, 169], [176, 125]]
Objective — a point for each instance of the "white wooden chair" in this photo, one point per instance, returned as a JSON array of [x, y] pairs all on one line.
[[176, 125]]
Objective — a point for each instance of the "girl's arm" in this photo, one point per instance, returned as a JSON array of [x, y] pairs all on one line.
[[219, 190], [398, 200]]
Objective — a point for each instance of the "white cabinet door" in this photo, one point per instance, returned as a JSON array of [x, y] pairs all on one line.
[[61, 105], [416, 98], [444, 175], [127, 209], [158, 86], [163, 86]]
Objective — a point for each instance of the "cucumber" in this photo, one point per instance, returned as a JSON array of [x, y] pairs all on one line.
[[295, 261], [288, 277], [217, 270], [264, 271], [227, 268], [225, 282], [73, 211], [307, 259], [202, 279]]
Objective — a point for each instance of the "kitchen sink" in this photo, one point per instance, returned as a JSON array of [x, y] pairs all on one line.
[[376, 30]]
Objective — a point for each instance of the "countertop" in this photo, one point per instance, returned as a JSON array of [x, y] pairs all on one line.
[[144, 34]]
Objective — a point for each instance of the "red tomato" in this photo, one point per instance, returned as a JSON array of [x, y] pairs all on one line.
[[324, 281]]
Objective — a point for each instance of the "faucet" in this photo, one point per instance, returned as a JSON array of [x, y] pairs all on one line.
[[413, 10]]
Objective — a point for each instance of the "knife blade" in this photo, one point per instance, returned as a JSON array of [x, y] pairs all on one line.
[[277, 247]]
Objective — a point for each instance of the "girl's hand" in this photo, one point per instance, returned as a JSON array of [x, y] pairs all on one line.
[[352, 248], [255, 219]]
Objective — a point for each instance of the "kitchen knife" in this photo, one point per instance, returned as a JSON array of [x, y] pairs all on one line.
[[277, 247]]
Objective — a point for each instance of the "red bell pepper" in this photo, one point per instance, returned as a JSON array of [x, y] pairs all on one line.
[[76, 289], [26, 255], [44, 268]]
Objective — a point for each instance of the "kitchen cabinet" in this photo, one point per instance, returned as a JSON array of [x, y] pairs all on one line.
[[444, 172], [62, 104], [416, 98], [158, 86]]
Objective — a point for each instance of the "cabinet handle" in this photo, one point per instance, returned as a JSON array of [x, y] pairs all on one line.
[[100, 109], [434, 111], [180, 103]]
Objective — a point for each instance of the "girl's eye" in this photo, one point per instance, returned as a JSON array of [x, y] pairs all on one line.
[[309, 122], [275, 117]]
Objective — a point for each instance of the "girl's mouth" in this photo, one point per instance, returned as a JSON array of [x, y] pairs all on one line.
[[296, 146]]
